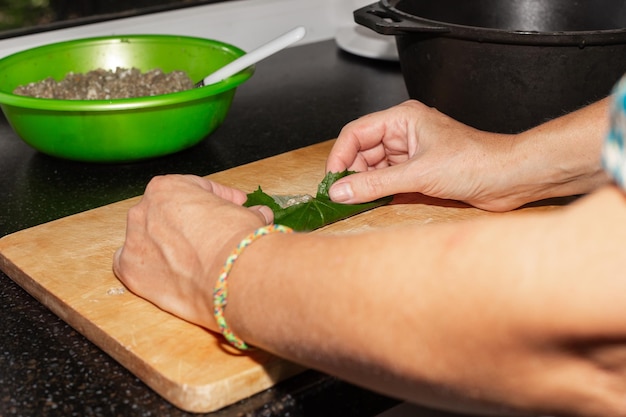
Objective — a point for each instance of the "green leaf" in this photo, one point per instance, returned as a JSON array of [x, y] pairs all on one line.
[[329, 179], [259, 198], [306, 213]]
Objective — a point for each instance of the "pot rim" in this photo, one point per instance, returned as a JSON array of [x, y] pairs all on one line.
[[454, 30]]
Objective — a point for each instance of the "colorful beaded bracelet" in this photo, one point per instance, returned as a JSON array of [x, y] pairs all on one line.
[[220, 292]]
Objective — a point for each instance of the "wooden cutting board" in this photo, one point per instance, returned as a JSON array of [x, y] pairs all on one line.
[[66, 265]]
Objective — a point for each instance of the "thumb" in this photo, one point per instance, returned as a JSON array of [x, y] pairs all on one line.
[[367, 186]]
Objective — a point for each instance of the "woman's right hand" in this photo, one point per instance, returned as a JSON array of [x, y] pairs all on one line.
[[414, 148], [177, 239]]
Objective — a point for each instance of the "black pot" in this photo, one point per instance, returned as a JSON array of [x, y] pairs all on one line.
[[505, 66]]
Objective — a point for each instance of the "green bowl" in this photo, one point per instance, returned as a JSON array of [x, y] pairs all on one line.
[[119, 130]]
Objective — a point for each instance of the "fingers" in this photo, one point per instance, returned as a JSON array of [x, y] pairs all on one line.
[[224, 192], [359, 144], [345, 154], [211, 199], [265, 213], [379, 139], [368, 186], [238, 197], [227, 193]]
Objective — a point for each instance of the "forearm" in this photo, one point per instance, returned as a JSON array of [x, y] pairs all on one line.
[[561, 157], [349, 306], [420, 313]]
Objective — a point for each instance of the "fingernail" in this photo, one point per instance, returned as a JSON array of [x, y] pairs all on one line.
[[267, 213], [341, 192]]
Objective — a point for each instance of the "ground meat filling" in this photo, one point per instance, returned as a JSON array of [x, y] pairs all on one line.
[[101, 84]]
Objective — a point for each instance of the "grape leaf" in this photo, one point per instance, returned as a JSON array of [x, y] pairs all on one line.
[[304, 212]]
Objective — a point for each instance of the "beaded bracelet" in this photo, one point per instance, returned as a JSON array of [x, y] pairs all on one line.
[[220, 292]]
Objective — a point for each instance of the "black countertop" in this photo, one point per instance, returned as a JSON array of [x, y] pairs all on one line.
[[301, 96]]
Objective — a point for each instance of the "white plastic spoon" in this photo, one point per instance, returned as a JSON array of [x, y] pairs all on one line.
[[254, 56]]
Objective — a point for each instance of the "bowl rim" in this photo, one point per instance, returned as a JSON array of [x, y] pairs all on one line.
[[125, 103]]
